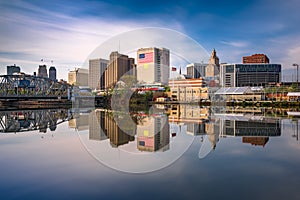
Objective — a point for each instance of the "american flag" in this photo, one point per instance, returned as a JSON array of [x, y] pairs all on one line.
[[146, 57]]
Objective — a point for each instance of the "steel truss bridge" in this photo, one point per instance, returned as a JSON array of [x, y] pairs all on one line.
[[31, 87], [30, 120]]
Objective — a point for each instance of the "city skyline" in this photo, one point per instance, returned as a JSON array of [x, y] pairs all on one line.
[[67, 33]]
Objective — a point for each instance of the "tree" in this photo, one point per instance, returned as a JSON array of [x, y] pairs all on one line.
[[129, 80]]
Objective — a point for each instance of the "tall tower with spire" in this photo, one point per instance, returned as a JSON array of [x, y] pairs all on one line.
[[214, 58], [213, 68]]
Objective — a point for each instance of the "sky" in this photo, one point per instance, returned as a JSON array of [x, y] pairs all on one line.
[[67, 32]]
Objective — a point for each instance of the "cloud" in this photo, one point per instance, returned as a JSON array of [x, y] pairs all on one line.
[[236, 43]]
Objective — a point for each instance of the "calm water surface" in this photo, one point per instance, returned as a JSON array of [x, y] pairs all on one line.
[[180, 152]]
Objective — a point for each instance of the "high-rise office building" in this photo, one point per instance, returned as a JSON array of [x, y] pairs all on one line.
[[13, 69], [96, 73], [42, 71], [118, 66], [239, 75], [153, 65], [78, 77], [52, 73], [196, 70], [256, 58]]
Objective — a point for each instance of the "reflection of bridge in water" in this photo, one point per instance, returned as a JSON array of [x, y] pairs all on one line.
[[30, 120]]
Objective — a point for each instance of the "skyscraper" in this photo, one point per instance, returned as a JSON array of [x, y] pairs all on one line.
[[153, 65], [96, 73], [42, 71], [52, 73], [78, 77], [118, 66], [196, 70], [13, 69]]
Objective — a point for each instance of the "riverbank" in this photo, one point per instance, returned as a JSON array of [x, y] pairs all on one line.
[[63, 103]]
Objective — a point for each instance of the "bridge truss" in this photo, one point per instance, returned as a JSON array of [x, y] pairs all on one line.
[[31, 86]]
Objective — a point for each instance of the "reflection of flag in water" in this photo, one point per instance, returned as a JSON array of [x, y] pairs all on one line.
[[146, 141], [146, 57], [174, 69]]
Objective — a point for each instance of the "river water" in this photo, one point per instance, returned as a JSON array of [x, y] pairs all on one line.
[[166, 152]]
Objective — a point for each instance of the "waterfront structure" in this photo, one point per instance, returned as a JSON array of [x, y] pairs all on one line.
[[188, 90], [78, 77], [212, 70], [240, 93], [118, 66], [96, 73], [153, 65], [240, 75], [12, 69], [256, 58], [42, 71], [196, 70], [52, 73]]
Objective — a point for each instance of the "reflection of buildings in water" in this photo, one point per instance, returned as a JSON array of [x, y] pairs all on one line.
[[212, 130], [256, 141], [115, 134], [296, 130], [29, 120], [266, 127], [102, 126], [96, 119], [255, 132], [153, 134], [80, 123], [187, 113], [196, 129], [196, 120]]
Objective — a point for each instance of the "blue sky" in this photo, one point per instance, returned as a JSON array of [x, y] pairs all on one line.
[[68, 31]]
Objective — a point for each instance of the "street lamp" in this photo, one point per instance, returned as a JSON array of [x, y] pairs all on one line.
[[296, 65]]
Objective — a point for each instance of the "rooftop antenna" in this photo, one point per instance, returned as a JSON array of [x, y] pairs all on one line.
[[119, 46]]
